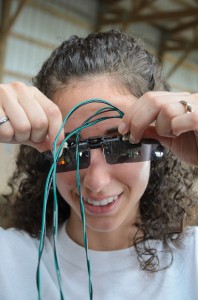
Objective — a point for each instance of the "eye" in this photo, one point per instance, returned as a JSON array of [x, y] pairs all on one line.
[[84, 154], [84, 159]]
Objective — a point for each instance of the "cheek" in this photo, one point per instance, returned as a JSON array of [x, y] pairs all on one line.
[[135, 174], [66, 182]]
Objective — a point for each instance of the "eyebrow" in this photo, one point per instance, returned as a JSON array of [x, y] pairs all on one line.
[[112, 130]]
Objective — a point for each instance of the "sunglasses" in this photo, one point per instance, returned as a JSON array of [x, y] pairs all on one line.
[[116, 150]]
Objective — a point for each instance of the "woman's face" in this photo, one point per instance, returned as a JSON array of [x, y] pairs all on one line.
[[111, 193]]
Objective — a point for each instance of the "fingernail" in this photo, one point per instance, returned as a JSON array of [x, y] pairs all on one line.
[[122, 128], [131, 139]]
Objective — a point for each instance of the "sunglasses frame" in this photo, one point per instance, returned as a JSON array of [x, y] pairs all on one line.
[[116, 149]]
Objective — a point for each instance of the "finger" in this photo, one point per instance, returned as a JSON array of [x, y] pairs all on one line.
[[125, 123], [54, 116], [35, 114], [165, 118], [146, 110], [185, 122], [6, 129], [19, 121], [15, 112], [42, 146]]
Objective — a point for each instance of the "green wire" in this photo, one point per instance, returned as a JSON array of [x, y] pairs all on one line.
[[52, 178], [55, 232]]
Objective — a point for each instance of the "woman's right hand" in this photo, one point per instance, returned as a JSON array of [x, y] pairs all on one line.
[[33, 118]]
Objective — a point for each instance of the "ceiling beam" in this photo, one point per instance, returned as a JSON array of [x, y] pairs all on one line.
[[180, 48], [136, 7], [152, 17], [11, 19], [179, 62], [184, 26], [188, 48], [31, 40], [141, 4], [59, 14], [110, 2]]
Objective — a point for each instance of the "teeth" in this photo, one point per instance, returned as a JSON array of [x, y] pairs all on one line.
[[102, 202]]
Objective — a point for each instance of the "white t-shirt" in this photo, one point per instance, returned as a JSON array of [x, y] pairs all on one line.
[[116, 275]]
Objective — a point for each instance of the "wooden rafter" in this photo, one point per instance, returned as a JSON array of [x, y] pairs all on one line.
[[141, 4], [184, 3], [187, 50], [110, 2], [138, 6], [153, 17], [42, 6], [178, 48], [179, 62], [11, 19], [31, 40], [184, 26]]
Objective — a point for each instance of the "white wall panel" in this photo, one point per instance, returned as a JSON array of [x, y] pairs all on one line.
[[36, 33], [24, 57], [42, 26]]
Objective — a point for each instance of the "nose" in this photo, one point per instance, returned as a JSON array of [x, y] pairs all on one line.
[[97, 175]]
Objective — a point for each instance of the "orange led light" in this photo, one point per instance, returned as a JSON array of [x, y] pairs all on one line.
[[61, 162]]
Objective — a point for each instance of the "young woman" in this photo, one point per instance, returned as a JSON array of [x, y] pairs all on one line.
[[139, 246]]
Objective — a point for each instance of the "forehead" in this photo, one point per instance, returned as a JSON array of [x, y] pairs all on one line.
[[102, 128], [96, 88]]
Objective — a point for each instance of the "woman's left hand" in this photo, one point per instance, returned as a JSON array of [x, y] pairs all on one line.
[[161, 115]]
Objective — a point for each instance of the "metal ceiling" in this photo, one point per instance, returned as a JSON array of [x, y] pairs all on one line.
[[177, 21]]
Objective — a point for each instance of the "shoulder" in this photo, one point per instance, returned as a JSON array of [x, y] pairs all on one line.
[[13, 241], [19, 255], [191, 238], [14, 235], [187, 254], [191, 234]]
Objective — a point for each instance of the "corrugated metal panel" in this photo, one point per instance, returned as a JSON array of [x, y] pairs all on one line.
[[34, 35], [42, 26]]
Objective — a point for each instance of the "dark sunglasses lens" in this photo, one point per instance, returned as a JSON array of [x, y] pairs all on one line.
[[67, 161], [118, 152]]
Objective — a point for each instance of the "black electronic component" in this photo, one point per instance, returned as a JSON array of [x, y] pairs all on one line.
[[116, 149]]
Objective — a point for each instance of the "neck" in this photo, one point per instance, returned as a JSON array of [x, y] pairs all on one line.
[[119, 238]]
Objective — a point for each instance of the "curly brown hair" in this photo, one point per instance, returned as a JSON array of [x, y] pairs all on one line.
[[168, 198]]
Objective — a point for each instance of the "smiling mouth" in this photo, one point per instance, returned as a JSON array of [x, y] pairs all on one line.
[[103, 202]]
